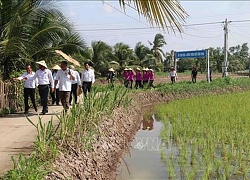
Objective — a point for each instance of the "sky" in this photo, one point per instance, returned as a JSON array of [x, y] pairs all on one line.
[[106, 21]]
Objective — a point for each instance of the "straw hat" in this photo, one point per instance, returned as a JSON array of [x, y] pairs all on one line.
[[138, 69], [111, 69], [126, 69], [130, 69], [71, 67], [42, 63], [151, 70], [56, 67]]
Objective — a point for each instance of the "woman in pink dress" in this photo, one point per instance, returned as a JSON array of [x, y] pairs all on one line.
[[145, 77], [138, 79], [130, 78], [125, 76], [151, 78]]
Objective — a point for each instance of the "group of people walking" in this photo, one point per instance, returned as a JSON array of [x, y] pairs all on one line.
[[144, 78], [62, 83]]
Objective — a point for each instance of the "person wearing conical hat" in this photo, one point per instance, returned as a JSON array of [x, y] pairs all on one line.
[[125, 75], [111, 76], [151, 78], [55, 94], [138, 78], [45, 81], [29, 88], [130, 78], [145, 77]]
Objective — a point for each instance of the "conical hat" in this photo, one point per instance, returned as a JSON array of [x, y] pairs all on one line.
[[42, 63], [111, 69], [126, 69], [56, 67], [130, 69], [138, 69]]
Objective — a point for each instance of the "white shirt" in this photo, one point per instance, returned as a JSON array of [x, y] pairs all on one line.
[[88, 76], [29, 83], [54, 77], [173, 74], [44, 77], [77, 78], [65, 80]]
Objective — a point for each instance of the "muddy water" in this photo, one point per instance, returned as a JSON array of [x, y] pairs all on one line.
[[144, 159]]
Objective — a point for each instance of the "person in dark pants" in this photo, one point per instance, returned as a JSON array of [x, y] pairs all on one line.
[[55, 95], [111, 76], [29, 89], [138, 79], [194, 74], [87, 79], [145, 77], [74, 84], [64, 75], [45, 81]]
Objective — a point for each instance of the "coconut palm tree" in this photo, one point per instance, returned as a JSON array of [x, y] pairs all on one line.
[[33, 30], [141, 52], [102, 56], [168, 14], [156, 50], [125, 55]]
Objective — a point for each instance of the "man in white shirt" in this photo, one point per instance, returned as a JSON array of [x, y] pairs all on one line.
[[55, 95], [74, 84], [64, 75], [29, 88], [45, 80], [87, 79]]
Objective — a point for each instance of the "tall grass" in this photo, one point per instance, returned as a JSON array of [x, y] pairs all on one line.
[[73, 130], [210, 136]]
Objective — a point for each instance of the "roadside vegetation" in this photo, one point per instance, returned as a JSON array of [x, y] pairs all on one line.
[[206, 137], [67, 131]]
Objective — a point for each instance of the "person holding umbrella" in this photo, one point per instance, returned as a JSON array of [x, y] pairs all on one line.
[[45, 81]]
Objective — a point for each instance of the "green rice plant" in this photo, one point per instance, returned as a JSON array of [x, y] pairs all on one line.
[[27, 168], [211, 132]]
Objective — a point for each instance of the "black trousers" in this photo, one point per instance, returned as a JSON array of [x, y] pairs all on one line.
[[73, 92], [55, 97], [194, 79], [86, 87], [29, 92], [150, 84], [138, 83], [43, 92]]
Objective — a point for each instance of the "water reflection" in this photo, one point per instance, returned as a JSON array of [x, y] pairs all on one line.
[[144, 161]]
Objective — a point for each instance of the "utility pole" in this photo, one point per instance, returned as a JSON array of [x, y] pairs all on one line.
[[225, 63]]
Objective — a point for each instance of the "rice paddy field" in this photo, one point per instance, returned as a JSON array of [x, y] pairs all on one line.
[[207, 137]]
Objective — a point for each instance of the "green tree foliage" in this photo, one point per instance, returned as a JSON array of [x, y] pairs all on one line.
[[31, 31]]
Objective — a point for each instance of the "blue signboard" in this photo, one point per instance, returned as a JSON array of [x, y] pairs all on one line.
[[191, 54]]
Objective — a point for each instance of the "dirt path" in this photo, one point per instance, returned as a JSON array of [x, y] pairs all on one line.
[[17, 135]]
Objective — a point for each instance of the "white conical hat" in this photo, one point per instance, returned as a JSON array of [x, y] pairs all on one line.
[[56, 67], [138, 69], [111, 69], [42, 63]]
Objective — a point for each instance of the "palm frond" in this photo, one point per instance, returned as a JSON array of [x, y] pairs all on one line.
[[168, 14]]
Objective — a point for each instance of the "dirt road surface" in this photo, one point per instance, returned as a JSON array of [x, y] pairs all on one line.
[[17, 135]]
